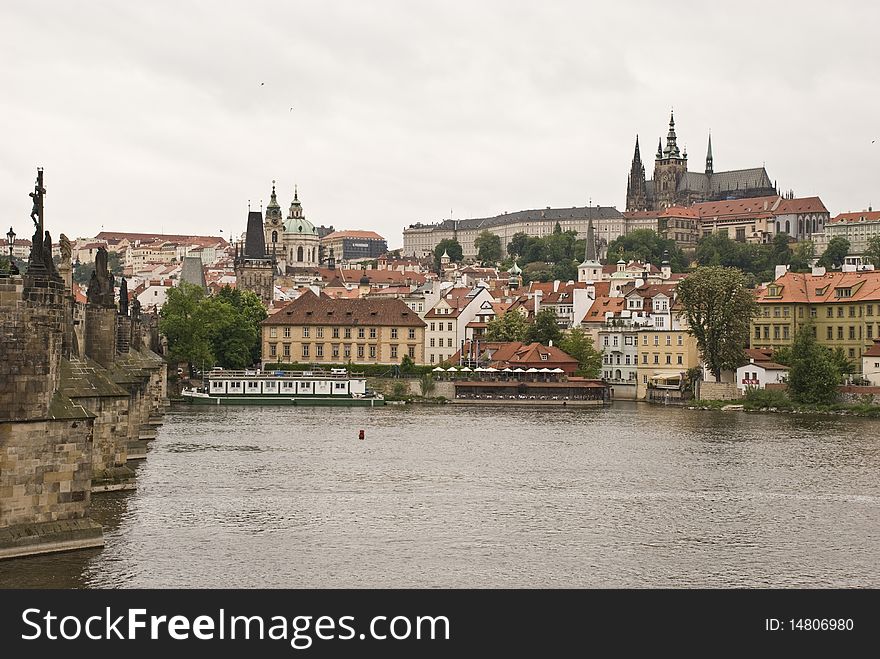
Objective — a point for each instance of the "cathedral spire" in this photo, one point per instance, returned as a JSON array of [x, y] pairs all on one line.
[[295, 210], [636, 188], [671, 150], [709, 168], [659, 148], [273, 210], [590, 251]]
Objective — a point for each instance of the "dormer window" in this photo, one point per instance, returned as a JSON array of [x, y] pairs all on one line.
[[843, 292], [773, 291], [543, 358]]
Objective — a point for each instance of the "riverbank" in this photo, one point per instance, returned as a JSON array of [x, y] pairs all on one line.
[[838, 409]]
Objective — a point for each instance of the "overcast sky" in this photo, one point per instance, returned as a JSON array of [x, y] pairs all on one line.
[[153, 116]]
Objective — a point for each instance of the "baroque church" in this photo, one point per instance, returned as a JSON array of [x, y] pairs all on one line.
[[674, 185], [294, 242]]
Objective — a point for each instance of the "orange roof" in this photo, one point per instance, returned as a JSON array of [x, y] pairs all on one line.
[[603, 305], [874, 350], [807, 288], [862, 216], [758, 355], [800, 205], [734, 206]]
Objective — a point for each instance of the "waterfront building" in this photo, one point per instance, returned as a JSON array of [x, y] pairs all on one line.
[[844, 308], [316, 329], [858, 228], [447, 321], [353, 246], [871, 364], [760, 371], [665, 356], [674, 185]]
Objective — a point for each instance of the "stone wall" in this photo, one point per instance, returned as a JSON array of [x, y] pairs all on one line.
[[853, 394], [717, 390], [100, 334], [385, 386]]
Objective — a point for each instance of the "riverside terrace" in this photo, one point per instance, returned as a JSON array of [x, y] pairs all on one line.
[[574, 391]]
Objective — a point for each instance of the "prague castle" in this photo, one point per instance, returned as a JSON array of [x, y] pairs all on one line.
[[674, 185]]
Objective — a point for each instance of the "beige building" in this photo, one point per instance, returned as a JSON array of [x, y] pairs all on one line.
[[857, 228], [320, 330], [664, 357]]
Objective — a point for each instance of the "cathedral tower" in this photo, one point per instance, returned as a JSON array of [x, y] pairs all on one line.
[[254, 266], [670, 167], [636, 189]]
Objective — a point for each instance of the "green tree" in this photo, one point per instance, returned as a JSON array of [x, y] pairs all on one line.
[[537, 271], [647, 246], [517, 243], [579, 345], [780, 251], [802, 257], [489, 248], [182, 322], [509, 326], [426, 384], [407, 365], [718, 308], [813, 376], [842, 363], [835, 253], [545, 328], [452, 247], [872, 251], [251, 313]]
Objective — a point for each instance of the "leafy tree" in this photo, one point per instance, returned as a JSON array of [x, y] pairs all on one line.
[[813, 377], [489, 248], [565, 270], [802, 257], [407, 365], [835, 253], [647, 246], [872, 251], [545, 328], [537, 271], [842, 363], [452, 247], [509, 326], [718, 307], [579, 345], [780, 252], [181, 320], [251, 312], [517, 243]]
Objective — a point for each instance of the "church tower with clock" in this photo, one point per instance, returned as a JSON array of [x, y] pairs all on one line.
[[293, 241]]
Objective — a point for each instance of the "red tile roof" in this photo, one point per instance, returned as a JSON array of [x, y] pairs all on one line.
[[807, 288], [862, 216], [874, 350], [310, 309]]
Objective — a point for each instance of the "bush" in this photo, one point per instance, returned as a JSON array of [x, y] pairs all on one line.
[[763, 398]]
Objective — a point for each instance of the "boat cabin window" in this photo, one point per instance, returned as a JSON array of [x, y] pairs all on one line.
[[216, 386], [270, 386], [305, 385], [235, 385], [339, 385], [287, 385], [253, 385]]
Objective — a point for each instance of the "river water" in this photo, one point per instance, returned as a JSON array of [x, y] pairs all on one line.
[[626, 496]]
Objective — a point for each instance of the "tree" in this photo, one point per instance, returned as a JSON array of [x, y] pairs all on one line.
[[872, 251], [517, 243], [251, 311], [579, 345], [181, 320], [509, 326], [426, 384], [545, 328], [842, 363], [452, 247], [647, 246], [407, 365], [813, 377], [802, 257], [835, 253], [718, 308], [489, 248], [537, 271]]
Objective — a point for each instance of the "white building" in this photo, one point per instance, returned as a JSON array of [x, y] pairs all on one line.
[[871, 364], [758, 374], [857, 228], [447, 321]]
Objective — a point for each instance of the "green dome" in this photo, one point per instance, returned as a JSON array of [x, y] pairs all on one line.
[[299, 226]]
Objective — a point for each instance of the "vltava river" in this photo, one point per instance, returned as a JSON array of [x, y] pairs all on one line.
[[628, 496]]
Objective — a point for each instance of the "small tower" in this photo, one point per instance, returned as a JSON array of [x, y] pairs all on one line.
[[444, 260], [590, 270], [331, 260], [295, 211], [709, 166], [665, 267], [273, 225], [636, 188], [254, 266], [514, 276], [364, 283]]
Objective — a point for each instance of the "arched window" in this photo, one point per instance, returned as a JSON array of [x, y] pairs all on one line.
[[274, 236], [299, 253], [777, 227], [618, 375], [787, 228]]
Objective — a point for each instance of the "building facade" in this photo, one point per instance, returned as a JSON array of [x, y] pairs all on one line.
[[319, 330], [857, 228], [254, 267], [352, 246], [293, 242], [448, 319]]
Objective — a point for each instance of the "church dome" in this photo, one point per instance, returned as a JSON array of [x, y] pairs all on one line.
[[299, 226]]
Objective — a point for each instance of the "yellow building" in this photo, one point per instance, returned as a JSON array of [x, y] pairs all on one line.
[[664, 357], [317, 329], [844, 307]]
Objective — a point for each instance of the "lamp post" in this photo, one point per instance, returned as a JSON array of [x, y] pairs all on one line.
[[10, 239]]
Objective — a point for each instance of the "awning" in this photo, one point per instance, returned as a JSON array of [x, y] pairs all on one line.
[[439, 368], [666, 376]]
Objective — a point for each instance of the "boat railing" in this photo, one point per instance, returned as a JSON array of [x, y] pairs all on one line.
[[280, 374]]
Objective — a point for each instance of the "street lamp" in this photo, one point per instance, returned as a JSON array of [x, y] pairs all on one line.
[[10, 239]]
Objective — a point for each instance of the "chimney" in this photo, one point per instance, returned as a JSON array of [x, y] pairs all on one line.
[[781, 270], [537, 301], [818, 271], [555, 285]]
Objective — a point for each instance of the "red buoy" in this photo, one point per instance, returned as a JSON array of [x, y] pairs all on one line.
[[361, 434]]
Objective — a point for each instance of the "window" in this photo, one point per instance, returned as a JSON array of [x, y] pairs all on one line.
[[335, 332], [830, 335], [656, 340], [432, 327], [360, 352], [273, 332], [679, 358], [656, 358], [335, 350], [346, 352], [543, 357], [411, 334], [286, 332], [840, 334], [393, 332], [668, 359], [870, 331], [869, 310], [852, 332], [830, 312], [347, 334], [616, 341], [627, 360], [305, 350], [840, 312], [273, 348], [644, 379], [319, 350], [776, 312], [448, 343], [852, 312], [448, 327], [785, 311], [812, 312], [628, 340], [372, 352], [372, 332], [361, 332], [668, 340], [605, 340], [757, 332], [432, 357], [393, 352], [411, 351], [852, 353], [785, 330], [305, 332], [431, 343], [766, 331], [287, 350], [645, 340], [843, 292], [319, 332], [644, 358]]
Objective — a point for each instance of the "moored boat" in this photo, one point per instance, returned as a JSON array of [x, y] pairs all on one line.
[[335, 387]]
